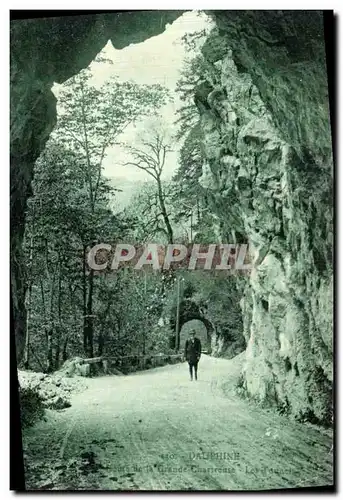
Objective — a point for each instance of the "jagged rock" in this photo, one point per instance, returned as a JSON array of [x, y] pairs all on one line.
[[280, 170]]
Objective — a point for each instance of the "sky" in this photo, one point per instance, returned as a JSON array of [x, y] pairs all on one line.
[[157, 60]]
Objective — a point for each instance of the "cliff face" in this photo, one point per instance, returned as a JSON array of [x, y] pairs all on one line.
[[45, 51], [264, 111]]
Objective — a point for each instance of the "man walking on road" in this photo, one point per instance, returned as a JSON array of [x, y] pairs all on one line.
[[193, 353]]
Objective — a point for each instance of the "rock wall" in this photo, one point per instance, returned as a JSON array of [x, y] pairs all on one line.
[[264, 111], [45, 51]]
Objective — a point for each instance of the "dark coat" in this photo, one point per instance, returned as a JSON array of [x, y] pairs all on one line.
[[193, 350]]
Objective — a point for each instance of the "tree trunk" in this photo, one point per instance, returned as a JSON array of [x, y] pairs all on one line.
[[27, 342], [84, 283], [101, 343], [88, 332], [64, 351], [59, 328], [164, 212], [44, 309], [50, 362], [57, 356], [49, 365]]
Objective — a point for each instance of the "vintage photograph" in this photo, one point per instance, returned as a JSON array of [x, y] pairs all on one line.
[[171, 250]]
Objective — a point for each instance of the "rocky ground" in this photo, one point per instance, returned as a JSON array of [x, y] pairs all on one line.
[[156, 430]]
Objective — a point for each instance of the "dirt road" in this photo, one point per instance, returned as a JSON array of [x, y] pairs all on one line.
[[156, 430]]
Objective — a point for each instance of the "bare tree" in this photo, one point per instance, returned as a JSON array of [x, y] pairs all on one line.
[[151, 158]]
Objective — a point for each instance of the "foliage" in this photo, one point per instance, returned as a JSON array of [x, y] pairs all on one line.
[[31, 406], [68, 306], [191, 196], [73, 311]]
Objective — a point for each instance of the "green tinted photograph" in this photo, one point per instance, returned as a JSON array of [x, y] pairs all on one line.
[[171, 250]]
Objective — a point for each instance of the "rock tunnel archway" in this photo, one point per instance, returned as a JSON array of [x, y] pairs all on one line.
[[189, 311], [293, 64], [201, 333]]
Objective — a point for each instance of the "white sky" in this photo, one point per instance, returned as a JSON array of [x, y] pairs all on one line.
[[157, 60]]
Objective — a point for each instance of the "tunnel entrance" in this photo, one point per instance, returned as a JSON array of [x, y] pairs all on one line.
[[190, 313], [201, 332]]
